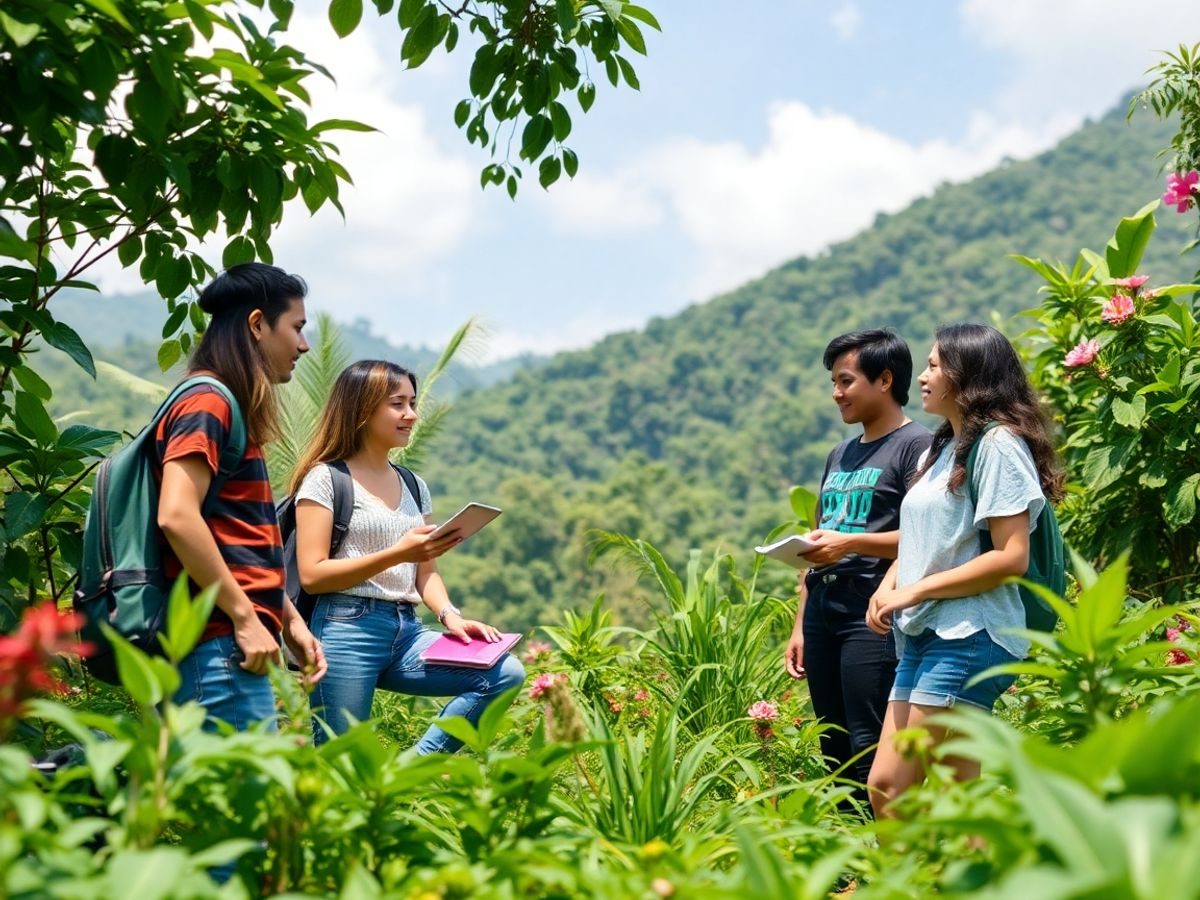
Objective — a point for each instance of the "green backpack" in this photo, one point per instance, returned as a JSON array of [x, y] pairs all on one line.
[[1047, 557], [121, 578]]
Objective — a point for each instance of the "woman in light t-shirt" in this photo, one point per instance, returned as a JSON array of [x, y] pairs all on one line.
[[365, 615], [945, 599]]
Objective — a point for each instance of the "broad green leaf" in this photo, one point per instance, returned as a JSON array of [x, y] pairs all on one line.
[[32, 419], [1180, 502], [804, 506], [134, 668], [63, 337], [1124, 252], [22, 33], [344, 16], [549, 170], [568, 21], [110, 9], [23, 513], [341, 125], [587, 95], [32, 382], [642, 15], [1130, 413], [169, 354]]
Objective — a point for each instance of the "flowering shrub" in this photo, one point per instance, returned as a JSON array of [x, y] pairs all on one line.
[[1182, 190], [1120, 364]]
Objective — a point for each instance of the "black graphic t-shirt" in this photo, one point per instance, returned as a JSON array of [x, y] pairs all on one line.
[[861, 492]]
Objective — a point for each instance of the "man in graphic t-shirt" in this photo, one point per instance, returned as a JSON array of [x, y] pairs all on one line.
[[850, 668]]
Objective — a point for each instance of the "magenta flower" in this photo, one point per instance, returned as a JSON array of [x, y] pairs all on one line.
[[1181, 190], [1172, 634], [1177, 657], [535, 651], [543, 683], [1118, 309], [1184, 624], [1133, 282], [763, 711], [1082, 354]]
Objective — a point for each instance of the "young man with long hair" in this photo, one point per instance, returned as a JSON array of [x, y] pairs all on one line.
[[946, 599], [232, 539], [849, 668], [367, 595]]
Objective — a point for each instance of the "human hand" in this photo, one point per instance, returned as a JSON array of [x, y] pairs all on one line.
[[417, 547], [793, 656], [833, 547], [259, 648], [307, 650], [463, 629], [884, 603]]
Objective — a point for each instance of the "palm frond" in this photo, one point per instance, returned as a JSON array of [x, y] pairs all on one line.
[[466, 340], [134, 384], [302, 399], [429, 425]]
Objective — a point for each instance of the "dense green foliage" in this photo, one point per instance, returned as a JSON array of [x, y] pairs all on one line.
[[689, 433]]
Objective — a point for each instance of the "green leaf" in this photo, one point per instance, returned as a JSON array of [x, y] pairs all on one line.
[[484, 71], [23, 512], [512, 187], [129, 250], [169, 354], [560, 119], [633, 35], [462, 112], [109, 8], [568, 21], [174, 320], [14, 246], [238, 250], [20, 32], [804, 506], [409, 11], [341, 125], [1124, 251], [1130, 413], [344, 16], [570, 162], [536, 136], [1180, 505], [587, 96], [33, 421], [642, 15], [32, 382], [549, 171], [631, 78], [63, 337], [186, 619], [133, 666]]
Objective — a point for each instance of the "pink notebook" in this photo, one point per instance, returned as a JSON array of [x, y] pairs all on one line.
[[479, 654]]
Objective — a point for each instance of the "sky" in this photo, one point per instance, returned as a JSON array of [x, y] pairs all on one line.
[[764, 130]]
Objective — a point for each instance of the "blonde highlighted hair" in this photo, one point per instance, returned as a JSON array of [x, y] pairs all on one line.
[[356, 395]]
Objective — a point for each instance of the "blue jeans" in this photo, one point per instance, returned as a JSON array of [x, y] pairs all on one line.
[[373, 644], [934, 671], [212, 676]]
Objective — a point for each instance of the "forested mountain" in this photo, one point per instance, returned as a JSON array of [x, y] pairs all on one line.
[[689, 432]]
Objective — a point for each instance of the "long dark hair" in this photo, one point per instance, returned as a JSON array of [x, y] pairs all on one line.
[[990, 385], [356, 395], [229, 350]]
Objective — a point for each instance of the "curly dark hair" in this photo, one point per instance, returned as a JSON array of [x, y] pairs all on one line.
[[990, 385]]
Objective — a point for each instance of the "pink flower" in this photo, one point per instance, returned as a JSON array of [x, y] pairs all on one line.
[[1181, 190], [1133, 282], [535, 651], [641, 695], [615, 707], [1083, 354], [1118, 309], [543, 683], [763, 711], [1172, 634], [1184, 624], [1177, 658]]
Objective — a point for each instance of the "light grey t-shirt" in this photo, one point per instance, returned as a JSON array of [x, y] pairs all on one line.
[[374, 526], [939, 530]]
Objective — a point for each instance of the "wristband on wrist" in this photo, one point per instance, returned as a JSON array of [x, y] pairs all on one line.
[[446, 610]]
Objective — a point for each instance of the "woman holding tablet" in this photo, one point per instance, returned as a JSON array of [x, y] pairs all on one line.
[[367, 593]]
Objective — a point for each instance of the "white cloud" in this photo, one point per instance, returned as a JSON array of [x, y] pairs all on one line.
[[820, 177], [1073, 58], [846, 20]]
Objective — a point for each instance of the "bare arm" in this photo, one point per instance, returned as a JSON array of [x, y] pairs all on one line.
[[793, 654], [319, 574], [185, 484], [836, 545]]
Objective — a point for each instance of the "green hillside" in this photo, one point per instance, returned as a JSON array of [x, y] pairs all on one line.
[[690, 431], [125, 330]]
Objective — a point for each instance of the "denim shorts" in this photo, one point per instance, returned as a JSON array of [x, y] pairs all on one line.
[[934, 671]]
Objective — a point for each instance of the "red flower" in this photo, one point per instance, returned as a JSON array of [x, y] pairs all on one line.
[[29, 656]]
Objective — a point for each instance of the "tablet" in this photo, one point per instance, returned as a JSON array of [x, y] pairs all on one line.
[[467, 520]]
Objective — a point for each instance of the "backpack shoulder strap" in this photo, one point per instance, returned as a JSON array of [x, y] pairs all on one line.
[[972, 491], [410, 482], [235, 448], [343, 503]]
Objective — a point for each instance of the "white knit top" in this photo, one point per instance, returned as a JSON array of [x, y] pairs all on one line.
[[374, 526]]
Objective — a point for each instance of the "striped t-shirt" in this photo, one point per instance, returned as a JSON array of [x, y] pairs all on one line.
[[241, 517]]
